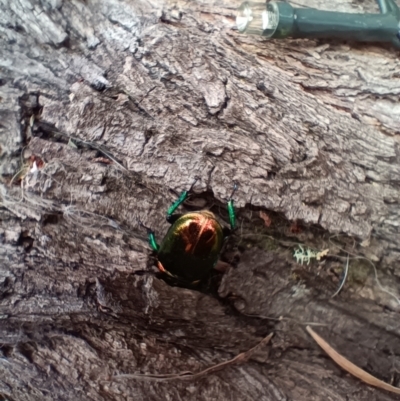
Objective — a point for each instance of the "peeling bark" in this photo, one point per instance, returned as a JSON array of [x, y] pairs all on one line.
[[125, 102]]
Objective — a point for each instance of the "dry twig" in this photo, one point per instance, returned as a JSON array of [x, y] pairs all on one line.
[[349, 366], [243, 357]]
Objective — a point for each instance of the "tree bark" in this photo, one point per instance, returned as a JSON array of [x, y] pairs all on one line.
[[108, 110]]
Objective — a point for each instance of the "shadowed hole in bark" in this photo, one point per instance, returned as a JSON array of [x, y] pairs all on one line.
[[51, 219], [27, 349]]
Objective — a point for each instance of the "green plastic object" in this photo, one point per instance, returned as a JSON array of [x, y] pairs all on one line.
[[281, 20]]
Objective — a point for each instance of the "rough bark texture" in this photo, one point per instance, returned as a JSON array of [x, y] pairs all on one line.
[[125, 102]]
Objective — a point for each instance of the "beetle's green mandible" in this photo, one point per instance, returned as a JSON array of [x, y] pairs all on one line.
[[194, 241]]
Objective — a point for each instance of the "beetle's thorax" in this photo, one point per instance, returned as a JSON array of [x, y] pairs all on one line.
[[198, 230]]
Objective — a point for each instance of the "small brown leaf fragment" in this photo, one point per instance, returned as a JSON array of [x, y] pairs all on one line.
[[295, 228], [349, 366], [103, 160], [31, 164], [36, 159], [266, 218]]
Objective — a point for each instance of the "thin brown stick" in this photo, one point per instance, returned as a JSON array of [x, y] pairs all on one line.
[[349, 366], [243, 357]]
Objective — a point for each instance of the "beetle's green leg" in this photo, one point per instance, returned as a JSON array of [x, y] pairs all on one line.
[[151, 237], [231, 209], [183, 196]]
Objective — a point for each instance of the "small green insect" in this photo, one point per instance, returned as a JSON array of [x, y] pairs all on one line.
[[193, 243]]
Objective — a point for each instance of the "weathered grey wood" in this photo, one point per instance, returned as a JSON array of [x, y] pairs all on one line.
[[310, 129]]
